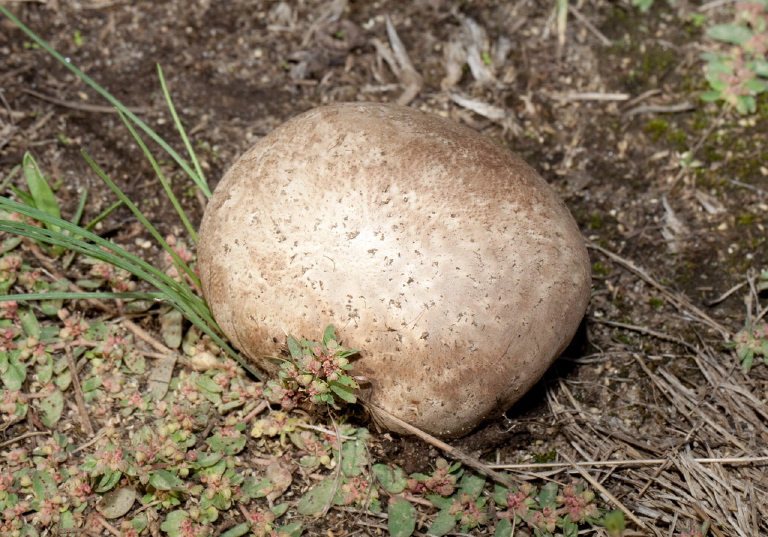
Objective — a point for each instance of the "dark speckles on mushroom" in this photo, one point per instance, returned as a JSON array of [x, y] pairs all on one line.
[[447, 197]]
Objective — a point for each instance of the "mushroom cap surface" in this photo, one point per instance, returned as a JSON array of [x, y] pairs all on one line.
[[447, 260]]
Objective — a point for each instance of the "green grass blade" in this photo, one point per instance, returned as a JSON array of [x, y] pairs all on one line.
[[25, 197], [180, 264], [179, 126], [31, 297], [190, 305], [163, 180], [80, 207], [102, 249], [9, 177], [39, 189], [199, 181], [102, 215]]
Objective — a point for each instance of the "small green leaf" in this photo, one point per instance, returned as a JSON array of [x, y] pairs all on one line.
[[205, 460], [402, 518], [503, 528], [108, 481], [227, 445], [760, 68], [171, 327], [354, 457], [29, 323], [329, 334], [41, 192], [15, 373], [440, 502], [256, 487], [318, 498], [280, 509], [51, 408], [207, 383], [345, 393], [91, 384], [642, 5], [237, 531], [614, 523], [500, 495], [710, 96], [45, 371], [27, 530], [43, 485], [730, 33], [173, 522], [67, 520], [294, 347], [140, 522], [472, 484], [165, 480], [392, 479], [570, 529], [548, 495], [444, 523], [293, 530], [135, 361], [117, 503]]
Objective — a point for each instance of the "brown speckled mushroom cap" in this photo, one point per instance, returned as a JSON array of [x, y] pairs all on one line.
[[444, 257]]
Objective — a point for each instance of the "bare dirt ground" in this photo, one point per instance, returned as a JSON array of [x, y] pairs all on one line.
[[604, 115]]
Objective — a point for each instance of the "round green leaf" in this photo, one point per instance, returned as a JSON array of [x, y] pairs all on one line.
[[402, 518], [117, 503]]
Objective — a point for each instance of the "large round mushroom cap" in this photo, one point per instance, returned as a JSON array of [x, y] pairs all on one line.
[[444, 257]]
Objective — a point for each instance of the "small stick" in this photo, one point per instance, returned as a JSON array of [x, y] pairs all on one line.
[[592, 96], [22, 437], [630, 463], [447, 449], [81, 106], [144, 335], [107, 526], [337, 477], [40, 256], [592, 481], [725, 295], [589, 26], [255, 412], [79, 399], [647, 331], [660, 109], [681, 302], [91, 441]]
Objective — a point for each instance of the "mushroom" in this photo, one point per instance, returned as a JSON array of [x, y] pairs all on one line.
[[445, 258]]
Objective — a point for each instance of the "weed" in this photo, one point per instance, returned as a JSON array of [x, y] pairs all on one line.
[[741, 73], [316, 372], [749, 343]]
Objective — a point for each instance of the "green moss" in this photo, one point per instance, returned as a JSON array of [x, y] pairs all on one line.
[[655, 302], [626, 340], [600, 269], [595, 221], [746, 219], [656, 129], [542, 458], [659, 129]]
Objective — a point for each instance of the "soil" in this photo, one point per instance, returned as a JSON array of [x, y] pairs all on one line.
[[595, 115]]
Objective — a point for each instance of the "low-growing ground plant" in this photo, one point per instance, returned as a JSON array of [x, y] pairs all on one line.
[[739, 74], [316, 372]]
